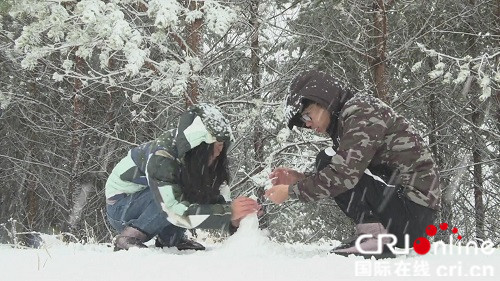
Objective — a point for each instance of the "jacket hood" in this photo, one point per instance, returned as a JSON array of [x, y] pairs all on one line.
[[318, 87], [202, 122]]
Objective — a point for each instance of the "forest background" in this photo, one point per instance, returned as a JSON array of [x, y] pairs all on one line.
[[82, 82]]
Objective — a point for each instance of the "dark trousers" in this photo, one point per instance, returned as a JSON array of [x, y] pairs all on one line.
[[373, 201]]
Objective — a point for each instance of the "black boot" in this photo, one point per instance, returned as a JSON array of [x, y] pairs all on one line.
[[367, 244], [187, 244], [130, 237], [183, 244]]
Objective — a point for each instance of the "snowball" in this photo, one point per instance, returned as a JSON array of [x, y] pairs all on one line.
[[249, 240]]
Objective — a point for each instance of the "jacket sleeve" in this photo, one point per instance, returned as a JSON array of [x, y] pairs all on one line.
[[161, 174], [364, 127]]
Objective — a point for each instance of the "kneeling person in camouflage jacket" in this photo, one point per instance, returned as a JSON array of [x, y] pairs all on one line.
[[379, 170]]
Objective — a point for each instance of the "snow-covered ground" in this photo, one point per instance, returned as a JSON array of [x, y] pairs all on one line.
[[247, 255]]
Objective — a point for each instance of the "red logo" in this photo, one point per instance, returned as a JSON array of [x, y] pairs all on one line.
[[422, 245]]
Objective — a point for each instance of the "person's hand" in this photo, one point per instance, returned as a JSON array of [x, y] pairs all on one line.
[[278, 193], [286, 176], [241, 207]]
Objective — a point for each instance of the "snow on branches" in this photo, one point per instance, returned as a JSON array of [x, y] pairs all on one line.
[[119, 38]]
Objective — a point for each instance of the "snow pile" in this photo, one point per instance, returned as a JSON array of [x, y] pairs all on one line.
[[249, 240], [247, 255]]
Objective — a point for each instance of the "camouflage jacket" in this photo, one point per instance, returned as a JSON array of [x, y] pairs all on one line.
[[368, 134], [156, 165]]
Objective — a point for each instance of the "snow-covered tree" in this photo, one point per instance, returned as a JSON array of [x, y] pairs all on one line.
[[83, 81]]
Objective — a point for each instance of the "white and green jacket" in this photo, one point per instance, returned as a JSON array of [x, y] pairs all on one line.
[[156, 165]]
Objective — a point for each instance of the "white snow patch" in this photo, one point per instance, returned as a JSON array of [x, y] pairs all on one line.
[[247, 255]]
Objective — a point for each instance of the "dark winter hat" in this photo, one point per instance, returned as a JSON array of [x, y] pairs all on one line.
[[318, 87]]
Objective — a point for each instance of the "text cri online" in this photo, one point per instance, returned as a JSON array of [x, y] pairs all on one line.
[[420, 268], [459, 270]]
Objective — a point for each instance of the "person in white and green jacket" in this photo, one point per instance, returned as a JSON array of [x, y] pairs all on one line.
[[170, 184]]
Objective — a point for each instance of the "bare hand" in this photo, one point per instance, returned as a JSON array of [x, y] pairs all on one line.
[[278, 193], [286, 176], [241, 207]]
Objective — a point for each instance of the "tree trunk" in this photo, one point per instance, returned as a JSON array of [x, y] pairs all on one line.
[[255, 69], [258, 144], [194, 43], [31, 183], [446, 214], [76, 145], [380, 35], [476, 118], [478, 174]]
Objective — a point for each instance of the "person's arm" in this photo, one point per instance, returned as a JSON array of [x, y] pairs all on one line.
[[364, 127], [161, 169]]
